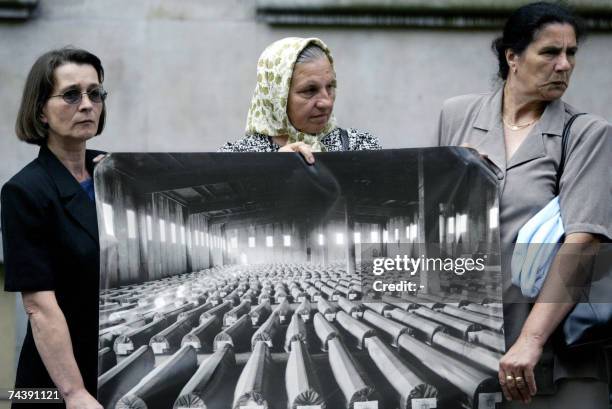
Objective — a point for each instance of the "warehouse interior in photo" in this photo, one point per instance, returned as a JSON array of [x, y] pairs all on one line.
[[226, 285]]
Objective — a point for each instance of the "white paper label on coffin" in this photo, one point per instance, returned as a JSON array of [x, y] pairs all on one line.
[[158, 347], [221, 343], [195, 345], [488, 400], [372, 404], [124, 349], [427, 403]]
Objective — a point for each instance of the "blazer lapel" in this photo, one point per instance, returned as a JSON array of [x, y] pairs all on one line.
[[551, 123], [490, 138], [531, 148], [74, 198]]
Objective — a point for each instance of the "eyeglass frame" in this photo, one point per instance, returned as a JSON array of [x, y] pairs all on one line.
[[103, 95]]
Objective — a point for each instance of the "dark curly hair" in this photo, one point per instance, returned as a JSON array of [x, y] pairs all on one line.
[[523, 25]]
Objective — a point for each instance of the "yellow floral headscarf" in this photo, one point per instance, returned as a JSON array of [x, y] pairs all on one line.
[[268, 112]]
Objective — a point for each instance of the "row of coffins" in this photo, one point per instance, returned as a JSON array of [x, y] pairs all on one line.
[[229, 335]]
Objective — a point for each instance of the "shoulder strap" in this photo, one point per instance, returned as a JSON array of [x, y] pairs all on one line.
[[344, 138], [564, 142]]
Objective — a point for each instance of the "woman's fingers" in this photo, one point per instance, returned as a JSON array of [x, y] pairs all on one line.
[[302, 148], [516, 375], [521, 386], [467, 145], [99, 158], [531, 383], [511, 385], [502, 383], [306, 152]]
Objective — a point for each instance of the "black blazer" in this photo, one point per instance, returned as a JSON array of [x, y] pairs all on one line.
[[50, 241]]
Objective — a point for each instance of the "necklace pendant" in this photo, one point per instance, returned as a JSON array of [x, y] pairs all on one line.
[[514, 127]]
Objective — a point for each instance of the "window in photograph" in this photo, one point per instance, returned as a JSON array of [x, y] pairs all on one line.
[[162, 230], [493, 217], [202, 238], [339, 238], [451, 225], [414, 233], [321, 240], [385, 236], [357, 237], [287, 240], [462, 223], [173, 233], [182, 234], [396, 235], [107, 211], [131, 223], [374, 236], [149, 228], [234, 242], [251, 242], [196, 237], [269, 241]]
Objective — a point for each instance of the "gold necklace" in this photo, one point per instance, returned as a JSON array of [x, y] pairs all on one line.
[[516, 127]]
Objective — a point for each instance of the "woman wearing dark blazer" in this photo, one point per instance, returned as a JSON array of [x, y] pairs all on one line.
[[49, 227]]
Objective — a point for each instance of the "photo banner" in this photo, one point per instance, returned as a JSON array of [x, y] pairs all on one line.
[[368, 280]]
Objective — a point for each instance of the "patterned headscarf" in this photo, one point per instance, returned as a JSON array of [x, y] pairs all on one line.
[[268, 112]]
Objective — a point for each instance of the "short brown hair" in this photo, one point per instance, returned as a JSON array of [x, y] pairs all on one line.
[[38, 88]]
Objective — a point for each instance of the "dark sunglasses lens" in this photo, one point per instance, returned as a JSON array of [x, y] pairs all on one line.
[[72, 97], [97, 95]]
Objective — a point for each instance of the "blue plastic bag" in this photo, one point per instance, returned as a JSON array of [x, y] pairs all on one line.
[[536, 246]]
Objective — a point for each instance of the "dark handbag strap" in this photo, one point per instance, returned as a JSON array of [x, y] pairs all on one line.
[[564, 139], [344, 139]]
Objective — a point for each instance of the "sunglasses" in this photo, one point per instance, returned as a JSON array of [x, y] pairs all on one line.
[[74, 96]]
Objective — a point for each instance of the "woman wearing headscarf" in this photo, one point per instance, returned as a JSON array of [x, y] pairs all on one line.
[[519, 128], [291, 108]]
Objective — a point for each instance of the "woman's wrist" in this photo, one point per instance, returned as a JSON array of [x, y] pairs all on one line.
[[70, 391], [533, 337]]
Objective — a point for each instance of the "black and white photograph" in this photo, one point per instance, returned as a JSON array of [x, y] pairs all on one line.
[[227, 286]]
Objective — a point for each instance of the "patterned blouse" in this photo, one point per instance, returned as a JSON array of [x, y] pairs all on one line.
[[358, 141]]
